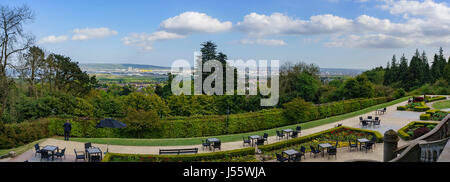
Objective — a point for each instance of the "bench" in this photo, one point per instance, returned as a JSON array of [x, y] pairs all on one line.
[[178, 151]]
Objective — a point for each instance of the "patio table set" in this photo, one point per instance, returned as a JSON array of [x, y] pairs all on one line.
[[256, 140], [92, 154], [212, 144], [370, 121], [294, 155]]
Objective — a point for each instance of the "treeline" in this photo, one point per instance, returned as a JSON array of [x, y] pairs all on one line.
[[416, 74]]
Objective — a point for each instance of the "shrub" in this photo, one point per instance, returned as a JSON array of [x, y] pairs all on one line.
[[425, 117], [402, 108], [421, 131], [298, 110], [421, 108], [399, 93], [17, 134]]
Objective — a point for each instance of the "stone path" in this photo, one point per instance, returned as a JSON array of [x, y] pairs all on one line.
[[393, 119]]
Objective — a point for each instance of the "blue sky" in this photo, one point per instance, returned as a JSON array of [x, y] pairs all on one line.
[[329, 33]]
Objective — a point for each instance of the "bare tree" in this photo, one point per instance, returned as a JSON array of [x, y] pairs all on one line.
[[13, 40], [32, 67]]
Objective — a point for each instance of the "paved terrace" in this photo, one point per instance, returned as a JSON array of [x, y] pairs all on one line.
[[393, 119]]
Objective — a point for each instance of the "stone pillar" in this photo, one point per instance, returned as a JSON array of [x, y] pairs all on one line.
[[390, 144]]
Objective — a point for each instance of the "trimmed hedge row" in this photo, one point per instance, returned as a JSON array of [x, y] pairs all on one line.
[[307, 138], [402, 131], [425, 116], [432, 99], [213, 125], [114, 157], [18, 134]]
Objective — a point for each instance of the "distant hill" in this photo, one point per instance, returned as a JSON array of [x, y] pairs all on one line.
[[341, 71], [108, 66]]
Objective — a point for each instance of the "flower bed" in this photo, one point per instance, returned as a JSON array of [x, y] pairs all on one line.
[[341, 134], [239, 155], [407, 132], [415, 106], [435, 115]]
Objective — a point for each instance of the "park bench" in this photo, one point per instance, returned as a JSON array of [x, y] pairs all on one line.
[[178, 151]]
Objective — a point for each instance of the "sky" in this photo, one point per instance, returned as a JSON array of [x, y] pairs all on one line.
[[360, 34]]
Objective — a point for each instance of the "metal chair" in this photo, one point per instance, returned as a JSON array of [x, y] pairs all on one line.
[[61, 154], [216, 145], [37, 149], [280, 158], [314, 151], [280, 135], [350, 145], [246, 141], [266, 137], [45, 155], [79, 155], [205, 144]]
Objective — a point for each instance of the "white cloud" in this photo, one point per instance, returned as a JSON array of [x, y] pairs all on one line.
[[145, 41], [267, 42], [53, 39], [194, 22], [262, 25], [92, 33]]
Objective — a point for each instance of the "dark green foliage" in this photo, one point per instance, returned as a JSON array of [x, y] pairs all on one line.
[[14, 135]]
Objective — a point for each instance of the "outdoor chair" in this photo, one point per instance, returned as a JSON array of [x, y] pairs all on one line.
[[351, 145], [216, 145], [79, 155], [87, 146], [336, 145], [266, 137], [260, 141], [294, 134], [95, 158], [369, 117], [280, 135], [280, 158], [302, 151], [205, 144], [246, 141], [361, 120], [299, 129], [45, 155], [368, 146], [314, 151], [376, 123], [61, 154], [332, 151], [37, 149], [384, 110], [364, 123], [373, 140], [297, 157]]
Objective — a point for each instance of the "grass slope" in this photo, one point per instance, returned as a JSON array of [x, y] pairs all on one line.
[[442, 105]]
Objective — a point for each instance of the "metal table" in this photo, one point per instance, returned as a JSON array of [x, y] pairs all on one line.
[[212, 140], [290, 153], [94, 151], [52, 149], [288, 131], [254, 137], [361, 141], [324, 146]]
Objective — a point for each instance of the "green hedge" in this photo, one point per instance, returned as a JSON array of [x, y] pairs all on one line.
[[18, 134], [213, 125], [402, 132], [431, 99], [307, 138], [114, 157], [402, 108], [425, 116], [421, 108]]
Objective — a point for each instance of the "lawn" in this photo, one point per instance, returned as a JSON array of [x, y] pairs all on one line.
[[442, 105], [231, 137], [21, 149]]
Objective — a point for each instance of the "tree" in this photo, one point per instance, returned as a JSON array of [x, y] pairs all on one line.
[[447, 72], [438, 66], [13, 40], [140, 122], [146, 102], [299, 80], [31, 68]]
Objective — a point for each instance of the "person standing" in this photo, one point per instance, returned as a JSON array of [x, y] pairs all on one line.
[[67, 128]]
